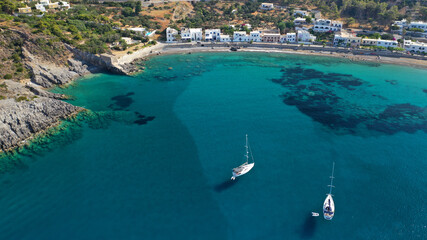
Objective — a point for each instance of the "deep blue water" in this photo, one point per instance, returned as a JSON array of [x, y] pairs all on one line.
[[153, 157]]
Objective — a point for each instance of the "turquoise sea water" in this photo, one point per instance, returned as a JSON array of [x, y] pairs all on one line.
[[153, 158]]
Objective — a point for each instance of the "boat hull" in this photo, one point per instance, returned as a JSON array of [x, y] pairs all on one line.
[[329, 208], [242, 170]]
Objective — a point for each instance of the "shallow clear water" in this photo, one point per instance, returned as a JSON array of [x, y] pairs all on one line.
[[153, 159]]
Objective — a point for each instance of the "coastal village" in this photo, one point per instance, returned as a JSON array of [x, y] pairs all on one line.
[[306, 24], [301, 34]]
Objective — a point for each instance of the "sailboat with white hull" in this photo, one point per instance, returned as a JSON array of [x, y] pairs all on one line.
[[245, 167], [329, 205]]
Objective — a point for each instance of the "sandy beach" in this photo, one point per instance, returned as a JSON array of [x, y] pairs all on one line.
[[163, 48]]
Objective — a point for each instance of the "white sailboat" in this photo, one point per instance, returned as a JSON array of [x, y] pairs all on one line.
[[329, 205], [245, 167]]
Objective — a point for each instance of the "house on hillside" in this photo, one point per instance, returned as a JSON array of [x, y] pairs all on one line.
[[24, 10], [301, 13], [267, 6], [326, 25], [41, 7], [299, 21], [420, 25]]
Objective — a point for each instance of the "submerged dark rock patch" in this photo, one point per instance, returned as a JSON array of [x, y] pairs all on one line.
[[141, 119], [392, 82], [122, 101], [425, 90], [336, 101]]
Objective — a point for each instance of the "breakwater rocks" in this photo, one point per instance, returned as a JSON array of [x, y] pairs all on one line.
[[21, 120]]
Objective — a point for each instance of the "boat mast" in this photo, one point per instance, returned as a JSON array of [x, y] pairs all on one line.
[[332, 179], [247, 149]]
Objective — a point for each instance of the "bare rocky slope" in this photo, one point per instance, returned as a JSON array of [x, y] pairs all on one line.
[[34, 62]]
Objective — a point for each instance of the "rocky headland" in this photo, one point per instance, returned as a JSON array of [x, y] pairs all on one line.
[[31, 63]]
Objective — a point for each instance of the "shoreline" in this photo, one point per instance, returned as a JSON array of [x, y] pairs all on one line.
[[41, 133], [402, 61], [170, 49]]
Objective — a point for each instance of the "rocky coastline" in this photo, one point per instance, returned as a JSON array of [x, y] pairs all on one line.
[[26, 107]]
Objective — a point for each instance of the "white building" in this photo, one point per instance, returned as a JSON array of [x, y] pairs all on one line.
[[224, 38], [291, 37], [171, 34], [326, 25], [401, 24], [299, 21], [301, 12], [267, 6], [65, 5], [45, 2], [129, 40], [212, 34], [345, 39], [387, 43], [255, 36], [138, 30], [40, 7], [240, 36], [420, 25], [191, 34], [415, 46], [305, 36]]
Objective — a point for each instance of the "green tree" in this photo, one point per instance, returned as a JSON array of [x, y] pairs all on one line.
[[127, 11], [138, 8], [282, 27], [8, 6]]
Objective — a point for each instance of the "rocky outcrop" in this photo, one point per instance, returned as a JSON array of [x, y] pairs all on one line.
[[47, 74], [21, 120]]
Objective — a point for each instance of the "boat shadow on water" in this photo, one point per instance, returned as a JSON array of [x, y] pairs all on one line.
[[308, 228], [225, 185]]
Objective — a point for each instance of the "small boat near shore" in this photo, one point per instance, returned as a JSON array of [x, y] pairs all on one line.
[[245, 167], [328, 204]]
